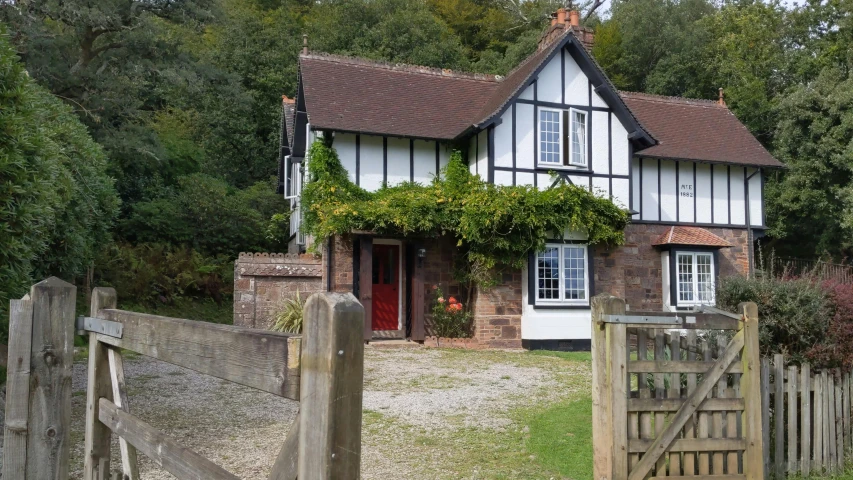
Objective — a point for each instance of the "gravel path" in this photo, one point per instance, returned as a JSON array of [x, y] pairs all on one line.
[[411, 395]]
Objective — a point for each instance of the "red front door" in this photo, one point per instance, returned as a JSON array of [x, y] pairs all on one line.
[[386, 281]]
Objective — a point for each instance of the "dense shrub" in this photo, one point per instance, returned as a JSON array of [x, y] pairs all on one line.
[[57, 203], [208, 215], [804, 318], [450, 319], [153, 274]]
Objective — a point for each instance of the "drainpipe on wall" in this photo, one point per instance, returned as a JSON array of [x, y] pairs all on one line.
[[329, 265]]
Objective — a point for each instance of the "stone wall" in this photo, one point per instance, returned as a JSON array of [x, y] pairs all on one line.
[[497, 312], [632, 271], [262, 281]]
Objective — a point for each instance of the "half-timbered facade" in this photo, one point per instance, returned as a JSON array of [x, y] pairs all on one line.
[[690, 174]]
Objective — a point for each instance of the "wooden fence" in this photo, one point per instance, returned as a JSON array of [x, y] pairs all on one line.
[[673, 405], [782, 266], [323, 369], [806, 418]]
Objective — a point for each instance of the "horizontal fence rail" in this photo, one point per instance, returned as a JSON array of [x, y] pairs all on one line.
[[806, 418]]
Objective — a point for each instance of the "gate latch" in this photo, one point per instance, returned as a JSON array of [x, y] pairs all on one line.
[[99, 325]]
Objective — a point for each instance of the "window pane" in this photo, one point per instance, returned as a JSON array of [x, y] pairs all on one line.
[[705, 278], [578, 138], [574, 273], [548, 274], [685, 277], [549, 136]]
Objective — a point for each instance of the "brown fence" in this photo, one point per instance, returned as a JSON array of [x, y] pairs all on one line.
[[323, 369], [806, 418], [673, 405], [782, 266]]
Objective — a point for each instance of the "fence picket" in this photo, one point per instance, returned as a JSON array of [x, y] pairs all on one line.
[[675, 392], [792, 418], [839, 421], [765, 414], [690, 428], [704, 457], [779, 414], [817, 461], [824, 396], [660, 392], [805, 423], [719, 392], [830, 400]]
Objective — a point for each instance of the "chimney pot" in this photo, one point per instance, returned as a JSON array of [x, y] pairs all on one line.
[[561, 15], [721, 101], [574, 18], [305, 43]]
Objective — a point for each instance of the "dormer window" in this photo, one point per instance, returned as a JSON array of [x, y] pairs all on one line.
[[562, 137]]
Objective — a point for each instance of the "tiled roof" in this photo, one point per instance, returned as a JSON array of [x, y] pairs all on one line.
[[690, 236], [288, 111], [689, 129], [356, 95]]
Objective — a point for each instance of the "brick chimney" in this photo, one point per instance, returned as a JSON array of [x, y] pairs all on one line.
[[560, 22]]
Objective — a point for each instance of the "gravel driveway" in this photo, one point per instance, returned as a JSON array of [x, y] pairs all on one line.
[[421, 406]]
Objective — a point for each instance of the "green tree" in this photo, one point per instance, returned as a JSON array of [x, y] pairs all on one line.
[[56, 202], [810, 205]]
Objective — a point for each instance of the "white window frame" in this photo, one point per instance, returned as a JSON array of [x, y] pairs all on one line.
[[562, 283], [695, 280], [560, 137], [585, 147]]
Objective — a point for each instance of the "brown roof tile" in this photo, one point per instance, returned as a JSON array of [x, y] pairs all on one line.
[[700, 130], [690, 236], [355, 95]]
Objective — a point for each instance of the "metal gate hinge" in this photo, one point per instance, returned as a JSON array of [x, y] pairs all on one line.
[[99, 325]]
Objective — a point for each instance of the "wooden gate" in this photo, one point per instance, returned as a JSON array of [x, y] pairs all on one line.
[[675, 394]]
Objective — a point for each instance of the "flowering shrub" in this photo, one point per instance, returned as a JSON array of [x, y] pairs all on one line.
[[806, 318], [449, 318]]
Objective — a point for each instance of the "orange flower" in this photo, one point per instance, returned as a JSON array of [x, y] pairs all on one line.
[[452, 300]]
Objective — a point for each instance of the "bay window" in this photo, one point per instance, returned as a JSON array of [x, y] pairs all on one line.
[[694, 278], [561, 275]]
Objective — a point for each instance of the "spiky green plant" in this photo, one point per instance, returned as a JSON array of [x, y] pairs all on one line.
[[288, 318]]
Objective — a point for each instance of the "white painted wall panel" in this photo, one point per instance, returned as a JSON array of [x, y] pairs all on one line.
[[597, 101], [524, 136], [472, 155], [549, 83], [600, 143], [756, 207], [668, 191], [543, 181], [620, 192], [703, 193], [635, 185], [483, 154], [577, 85], [344, 144], [503, 177], [399, 160], [686, 192], [649, 198], [621, 151], [371, 162], [527, 93], [444, 152], [720, 178], [552, 324], [601, 187], [580, 181], [503, 140], [524, 178], [424, 161], [738, 196]]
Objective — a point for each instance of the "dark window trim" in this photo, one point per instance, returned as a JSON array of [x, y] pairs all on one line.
[[674, 250], [590, 278]]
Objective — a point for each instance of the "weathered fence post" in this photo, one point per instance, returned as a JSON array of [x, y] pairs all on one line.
[[18, 388], [331, 387], [603, 435], [97, 443], [41, 355], [750, 387]]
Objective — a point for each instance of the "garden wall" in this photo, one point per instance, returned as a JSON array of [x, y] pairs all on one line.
[[262, 281]]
